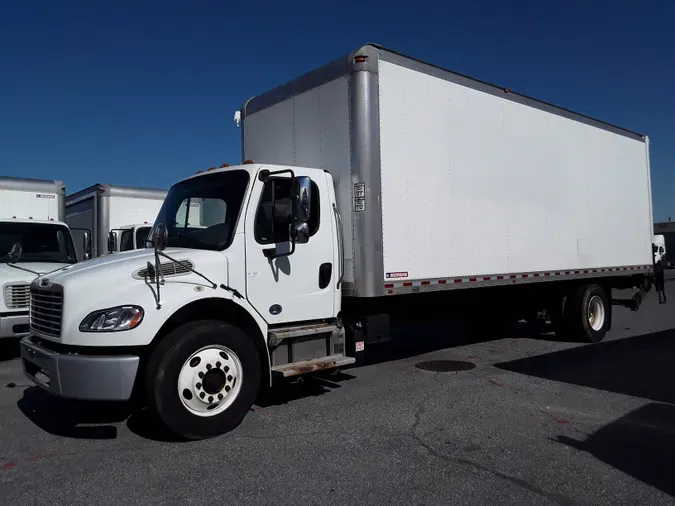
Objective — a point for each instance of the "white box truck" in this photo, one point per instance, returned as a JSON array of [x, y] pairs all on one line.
[[370, 178], [120, 217], [31, 215]]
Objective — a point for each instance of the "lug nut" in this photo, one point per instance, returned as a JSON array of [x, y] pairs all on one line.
[[202, 395], [220, 397], [201, 374], [227, 369], [229, 378], [218, 364], [198, 385], [210, 398], [209, 366], [227, 388]]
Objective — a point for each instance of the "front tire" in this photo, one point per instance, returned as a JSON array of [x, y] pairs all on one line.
[[203, 378]]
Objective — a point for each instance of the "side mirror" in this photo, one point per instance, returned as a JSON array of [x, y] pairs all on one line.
[[302, 198], [112, 242], [15, 253], [300, 233], [86, 244], [160, 236]]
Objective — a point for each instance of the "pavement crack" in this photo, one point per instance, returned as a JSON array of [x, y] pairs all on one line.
[[421, 410], [524, 484], [521, 483]]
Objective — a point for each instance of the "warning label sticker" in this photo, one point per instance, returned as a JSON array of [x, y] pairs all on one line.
[[359, 197], [396, 275]]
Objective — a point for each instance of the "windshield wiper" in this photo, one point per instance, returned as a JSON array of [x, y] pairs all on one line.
[[7, 262], [233, 291], [158, 274]]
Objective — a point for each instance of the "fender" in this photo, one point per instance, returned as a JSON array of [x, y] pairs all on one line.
[[235, 312]]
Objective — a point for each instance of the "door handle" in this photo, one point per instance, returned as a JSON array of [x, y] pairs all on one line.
[[325, 273]]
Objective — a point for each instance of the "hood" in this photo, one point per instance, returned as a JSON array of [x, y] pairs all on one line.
[[10, 274], [126, 264], [115, 280]]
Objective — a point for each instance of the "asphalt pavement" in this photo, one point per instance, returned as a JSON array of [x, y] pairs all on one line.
[[528, 420]]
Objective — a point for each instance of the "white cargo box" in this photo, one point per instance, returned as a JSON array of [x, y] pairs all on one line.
[[35, 199], [447, 182], [104, 207]]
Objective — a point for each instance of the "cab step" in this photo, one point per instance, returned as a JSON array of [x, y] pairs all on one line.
[[309, 366], [280, 333]]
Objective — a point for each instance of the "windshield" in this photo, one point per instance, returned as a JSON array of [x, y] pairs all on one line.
[[201, 213], [40, 242]]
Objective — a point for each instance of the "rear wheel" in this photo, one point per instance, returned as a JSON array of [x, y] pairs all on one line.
[[203, 378], [586, 314]]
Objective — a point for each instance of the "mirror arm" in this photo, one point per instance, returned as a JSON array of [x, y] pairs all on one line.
[[271, 253], [266, 174]]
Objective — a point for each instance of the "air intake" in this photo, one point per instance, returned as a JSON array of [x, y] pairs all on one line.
[[167, 269]]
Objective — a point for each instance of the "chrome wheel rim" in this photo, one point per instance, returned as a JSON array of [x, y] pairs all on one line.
[[210, 380]]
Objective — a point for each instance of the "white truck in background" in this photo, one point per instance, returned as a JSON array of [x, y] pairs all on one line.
[[31, 215], [364, 183], [120, 217], [659, 248]]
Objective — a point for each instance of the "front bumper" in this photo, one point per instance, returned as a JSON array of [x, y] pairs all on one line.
[[86, 377], [14, 324]]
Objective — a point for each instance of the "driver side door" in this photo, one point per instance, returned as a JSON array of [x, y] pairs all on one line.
[[299, 286]]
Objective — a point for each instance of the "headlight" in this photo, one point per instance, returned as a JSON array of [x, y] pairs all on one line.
[[113, 319]]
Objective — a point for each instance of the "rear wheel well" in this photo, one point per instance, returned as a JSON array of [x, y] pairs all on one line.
[[215, 309]]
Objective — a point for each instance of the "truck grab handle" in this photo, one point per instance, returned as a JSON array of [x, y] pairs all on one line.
[[341, 245]]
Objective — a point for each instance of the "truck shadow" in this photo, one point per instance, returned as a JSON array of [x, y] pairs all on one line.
[[89, 420], [66, 418], [641, 366], [640, 444], [304, 387], [9, 349], [101, 420]]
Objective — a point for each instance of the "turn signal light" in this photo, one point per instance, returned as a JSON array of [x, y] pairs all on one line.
[[224, 165], [248, 161]]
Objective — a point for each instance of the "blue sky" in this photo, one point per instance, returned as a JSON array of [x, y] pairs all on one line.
[[143, 92]]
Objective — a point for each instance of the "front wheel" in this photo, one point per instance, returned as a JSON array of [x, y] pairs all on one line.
[[203, 378]]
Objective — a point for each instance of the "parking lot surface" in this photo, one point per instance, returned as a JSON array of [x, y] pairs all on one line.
[[528, 420]]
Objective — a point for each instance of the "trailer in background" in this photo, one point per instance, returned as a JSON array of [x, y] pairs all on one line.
[[126, 212], [32, 213]]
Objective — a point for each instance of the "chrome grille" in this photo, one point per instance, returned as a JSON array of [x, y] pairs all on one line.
[[167, 269], [46, 309], [17, 296]]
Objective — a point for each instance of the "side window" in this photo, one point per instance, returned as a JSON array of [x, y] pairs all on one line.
[[141, 236], [126, 241], [273, 215]]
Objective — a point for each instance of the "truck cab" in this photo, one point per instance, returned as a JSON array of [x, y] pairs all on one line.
[[242, 284], [659, 248], [128, 237], [45, 246]]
